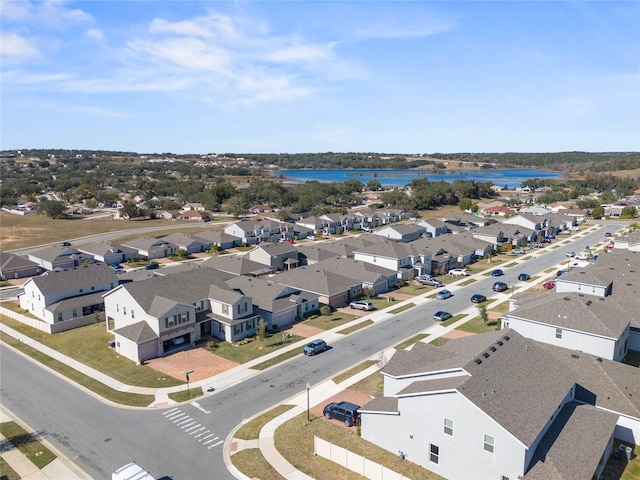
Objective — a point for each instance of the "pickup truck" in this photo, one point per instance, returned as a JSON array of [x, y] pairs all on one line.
[[430, 282], [131, 471]]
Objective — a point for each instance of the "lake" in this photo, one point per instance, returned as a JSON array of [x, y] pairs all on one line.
[[396, 178]]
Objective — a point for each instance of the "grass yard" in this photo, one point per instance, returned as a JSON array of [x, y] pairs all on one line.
[[252, 350], [501, 308], [252, 463], [412, 289], [251, 429], [438, 342], [98, 388], [89, 345], [328, 322], [294, 440], [453, 319], [369, 385], [402, 308], [352, 371], [27, 443], [476, 326], [357, 327], [6, 472], [410, 341]]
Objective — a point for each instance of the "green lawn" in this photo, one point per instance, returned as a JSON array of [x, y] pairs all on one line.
[[89, 345], [328, 322], [27, 443], [453, 319], [252, 350], [476, 326], [251, 429]]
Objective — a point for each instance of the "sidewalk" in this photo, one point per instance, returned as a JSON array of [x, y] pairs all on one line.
[[63, 469]]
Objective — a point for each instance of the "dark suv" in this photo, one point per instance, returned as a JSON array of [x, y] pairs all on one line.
[[344, 411]]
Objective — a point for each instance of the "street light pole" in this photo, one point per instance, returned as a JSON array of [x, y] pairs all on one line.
[[186, 374], [308, 415]]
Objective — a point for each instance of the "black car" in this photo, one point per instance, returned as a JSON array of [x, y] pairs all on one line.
[[497, 273], [152, 266], [500, 287], [441, 316], [344, 411], [523, 277], [477, 298]]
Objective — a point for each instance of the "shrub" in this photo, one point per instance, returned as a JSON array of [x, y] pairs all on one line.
[[325, 310]]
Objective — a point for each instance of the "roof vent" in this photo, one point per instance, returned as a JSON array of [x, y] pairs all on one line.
[[478, 361], [588, 302], [566, 298], [573, 355], [485, 354], [484, 394], [599, 359], [493, 349], [506, 337], [526, 348], [601, 299], [500, 343], [493, 391]]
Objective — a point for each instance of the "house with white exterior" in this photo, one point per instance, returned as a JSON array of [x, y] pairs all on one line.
[[256, 231], [154, 317], [402, 232], [67, 294], [433, 227], [218, 238], [108, 252], [406, 259], [237, 265], [185, 241], [598, 326], [59, 256], [492, 406], [149, 247]]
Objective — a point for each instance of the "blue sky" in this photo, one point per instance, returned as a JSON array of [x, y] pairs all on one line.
[[314, 76]]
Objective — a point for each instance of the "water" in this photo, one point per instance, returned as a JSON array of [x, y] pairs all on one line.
[[397, 178]]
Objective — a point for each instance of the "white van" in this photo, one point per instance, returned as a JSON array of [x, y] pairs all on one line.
[[582, 256], [131, 471]]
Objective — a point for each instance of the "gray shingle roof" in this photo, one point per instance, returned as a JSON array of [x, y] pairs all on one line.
[[9, 261], [237, 265], [381, 404], [586, 313], [316, 280], [145, 243], [572, 447], [75, 278], [76, 302], [139, 332], [104, 248], [52, 253]]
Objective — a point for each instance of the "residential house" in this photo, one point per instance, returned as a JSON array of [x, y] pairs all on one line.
[[220, 239], [152, 318], [195, 216], [185, 241], [278, 305], [499, 401], [402, 232], [108, 252], [498, 211], [58, 256], [405, 259], [278, 256], [237, 265], [149, 247], [499, 234], [317, 224], [366, 218], [453, 251], [251, 232], [66, 294], [433, 227], [598, 326], [630, 241], [14, 266], [339, 222], [374, 279], [168, 214], [194, 206]]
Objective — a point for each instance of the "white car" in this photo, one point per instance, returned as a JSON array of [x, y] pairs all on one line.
[[570, 254], [458, 272]]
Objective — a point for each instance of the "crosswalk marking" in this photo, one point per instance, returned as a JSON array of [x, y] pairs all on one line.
[[191, 426]]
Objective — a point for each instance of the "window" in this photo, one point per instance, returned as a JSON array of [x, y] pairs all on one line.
[[242, 308], [124, 310], [434, 453], [225, 309], [199, 305], [133, 315], [59, 316], [75, 313], [81, 290], [170, 321], [221, 328], [237, 329], [558, 333], [184, 317], [489, 443], [448, 426], [93, 288], [117, 308]]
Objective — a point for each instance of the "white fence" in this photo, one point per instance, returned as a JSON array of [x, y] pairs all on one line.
[[355, 463], [49, 327]]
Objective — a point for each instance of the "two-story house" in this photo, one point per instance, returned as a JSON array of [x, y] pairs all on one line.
[[433, 227], [406, 259], [403, 232], [278, 256], [59, 256], [151, 318], [68, 294], [498, 401]]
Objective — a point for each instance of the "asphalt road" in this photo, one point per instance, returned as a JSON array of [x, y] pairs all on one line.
[[170, 442]]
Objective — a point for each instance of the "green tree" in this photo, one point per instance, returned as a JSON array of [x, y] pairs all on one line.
[[325, 310], [374, 185], [484, 316], [598, 212], [52, 208], [629, 212], [261, 331]]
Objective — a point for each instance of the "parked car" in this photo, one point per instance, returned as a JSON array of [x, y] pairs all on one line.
[[477, 298], [549, 285], [431, 282], [565, 232], [441, 316], [550, 237], [115, 265], [152, 266], [536, 245], [65, 244], [311, 237], [500, 287], [518, 251], [119, 271], [344, 411], [458, 272], [523, 277], [314, 347], [574, 229], [444, 294], [361, 305], [561, 272], [497, 273], [570, 254]]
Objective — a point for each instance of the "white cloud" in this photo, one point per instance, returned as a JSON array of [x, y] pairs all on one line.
[[221, 27], [301, 53], [96, 34], [14, 45]]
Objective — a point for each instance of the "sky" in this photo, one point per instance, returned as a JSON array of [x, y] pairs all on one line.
[[412, 77]]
